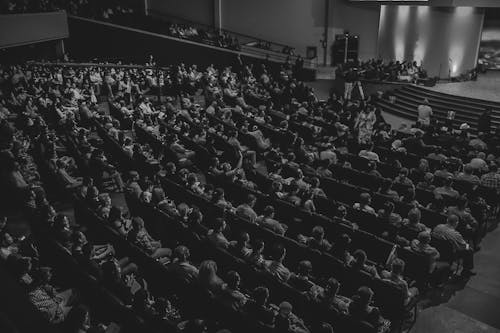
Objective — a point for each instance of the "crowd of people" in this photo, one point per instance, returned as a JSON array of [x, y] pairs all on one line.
[[379, 70], [221, 155]]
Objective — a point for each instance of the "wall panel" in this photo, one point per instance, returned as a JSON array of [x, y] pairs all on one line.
[[22, 29]]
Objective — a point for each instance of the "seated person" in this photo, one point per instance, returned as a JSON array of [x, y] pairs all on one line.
[[365, 200], [267, 221], [300, 280], [181, 267], [207, 276], [216, 235], [242, 246], [256, 257], [275, 266], [396, 277], [317, 240], [427, 183], [387, 214], [360, 264], [140, 236], [403, 179], [412, 221], [448, 232], [54, 305], [467, 175], [231, 295], [331, 299], [287, 322], [447, 189], [257, 307], [245, 210], [422, 245], [361, 309]]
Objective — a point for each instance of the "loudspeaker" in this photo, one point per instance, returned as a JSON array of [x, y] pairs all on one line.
[[345, 48]]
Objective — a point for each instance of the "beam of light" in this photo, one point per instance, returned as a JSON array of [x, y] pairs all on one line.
[[423, 30], [403, 13]]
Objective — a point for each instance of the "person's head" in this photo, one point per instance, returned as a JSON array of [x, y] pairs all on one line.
[[468, 169], [364, 295], [448, 182], [233, 280], [79, 238], [258, 246], [365, 199], [429, 178], [104, 199], [207, 270], [318, 233], [285, 309], [341, 211], [398, 267], [424, 237], [251, 199], [3, 222], [278, 253], [332, 287], [92, 193], [403, 172], [493, 168], [137, 223], [315, 182], [423, 165], [170, 168], [181, 253], [452, 221], [269, 211], [219, 224], [414, 216], [304, 268], [261, 295], [218, 194]]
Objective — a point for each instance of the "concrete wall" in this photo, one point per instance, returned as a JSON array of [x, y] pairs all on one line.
[[445, 40], [22, 29]]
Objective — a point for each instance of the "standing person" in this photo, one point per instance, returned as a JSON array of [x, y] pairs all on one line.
[[350, 77], [364, 125], [424, 113], [484, 122], [352, 81]]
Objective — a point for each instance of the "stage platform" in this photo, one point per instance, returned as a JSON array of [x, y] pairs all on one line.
[[486, 87]]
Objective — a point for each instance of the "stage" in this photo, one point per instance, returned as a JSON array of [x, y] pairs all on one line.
[[486, 87]]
